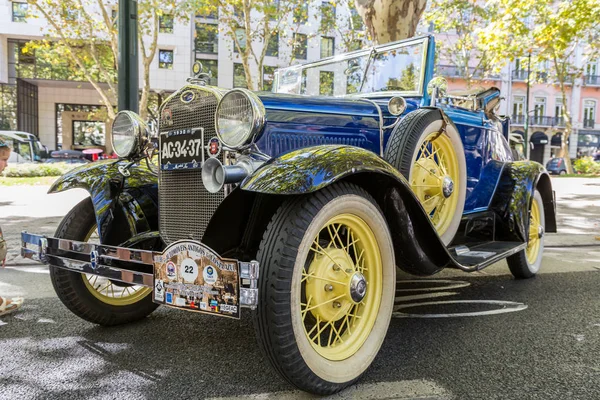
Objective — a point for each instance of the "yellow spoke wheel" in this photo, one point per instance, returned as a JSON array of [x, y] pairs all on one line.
[[108, 291], [534, 245], [428, 152], [433, 177], [326, 292], [527, 262], [341, 287]]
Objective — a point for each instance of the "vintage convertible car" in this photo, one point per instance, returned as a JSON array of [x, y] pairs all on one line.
[[324, 195]]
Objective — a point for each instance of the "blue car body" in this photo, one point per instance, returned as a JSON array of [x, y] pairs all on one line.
[[314, 141]]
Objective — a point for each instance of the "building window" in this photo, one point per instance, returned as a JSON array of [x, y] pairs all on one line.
[[61, 107], [327, 47], [300, 43], [327, 16], [518, 106], [559, 111], [211, 67], [8, 107], [355, 44], [207, 38], [89, 133], [274, 14], [356, 20], [589, 113], [165, 59], [19, 12], [208, 12], [301, 13], [165, 23], [268, 74], [326, 83], [239, 76], [240, 34], [539, 109], [591, 69], [273, 46]]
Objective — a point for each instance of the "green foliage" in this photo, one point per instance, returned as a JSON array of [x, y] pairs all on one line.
[[408, 79], [37, 170], [586, 165], [467, 19]]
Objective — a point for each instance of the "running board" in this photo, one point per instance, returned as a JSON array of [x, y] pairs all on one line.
[[476, 257]]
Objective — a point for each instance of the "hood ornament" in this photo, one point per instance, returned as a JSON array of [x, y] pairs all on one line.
[[199, 77]]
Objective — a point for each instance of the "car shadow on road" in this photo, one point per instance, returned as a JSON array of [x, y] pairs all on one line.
[[175, 354]]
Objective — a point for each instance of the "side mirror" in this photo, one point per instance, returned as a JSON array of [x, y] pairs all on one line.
[[437, 87]]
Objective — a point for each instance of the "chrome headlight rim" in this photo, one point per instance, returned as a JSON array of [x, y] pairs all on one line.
[[140, 131], [258, 118]]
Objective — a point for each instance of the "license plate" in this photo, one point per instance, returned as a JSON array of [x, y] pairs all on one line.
[[191, 276], [182, 149]]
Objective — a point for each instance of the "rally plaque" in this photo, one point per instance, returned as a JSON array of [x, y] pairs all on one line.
[[190, 276]]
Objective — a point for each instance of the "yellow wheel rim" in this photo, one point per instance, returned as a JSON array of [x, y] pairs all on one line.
[[337, 314], [434, 176], [112, 292], [533, 245]]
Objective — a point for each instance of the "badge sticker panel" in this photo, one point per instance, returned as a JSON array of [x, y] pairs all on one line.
[[193, 277]]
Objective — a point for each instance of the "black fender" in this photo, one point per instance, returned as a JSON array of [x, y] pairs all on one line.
[[418, 248], [513, 197], [125, 206]]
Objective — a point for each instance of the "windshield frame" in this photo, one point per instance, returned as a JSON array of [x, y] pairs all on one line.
[[371, 52]]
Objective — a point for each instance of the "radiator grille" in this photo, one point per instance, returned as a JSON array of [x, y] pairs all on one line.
[[185, 206]]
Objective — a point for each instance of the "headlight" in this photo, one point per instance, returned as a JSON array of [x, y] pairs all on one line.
[[240, 117], [128, 131]]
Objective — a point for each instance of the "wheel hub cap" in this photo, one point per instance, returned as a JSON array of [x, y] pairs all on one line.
[[447, 186], [358, 287]]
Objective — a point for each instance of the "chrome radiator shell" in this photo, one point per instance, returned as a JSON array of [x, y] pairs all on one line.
[[185, 206]]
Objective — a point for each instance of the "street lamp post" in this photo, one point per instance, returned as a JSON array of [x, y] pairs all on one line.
[[526, 127], [128, 56]]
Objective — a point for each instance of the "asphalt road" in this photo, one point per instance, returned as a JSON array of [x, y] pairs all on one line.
[[486, 335]]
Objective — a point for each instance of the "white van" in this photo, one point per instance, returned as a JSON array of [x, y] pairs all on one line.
[[25, 147]]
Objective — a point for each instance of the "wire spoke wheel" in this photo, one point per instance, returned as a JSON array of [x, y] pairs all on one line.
[[432, 178], [533, 244], [341, 287], [527, 262], [110, 291], [326, 292]]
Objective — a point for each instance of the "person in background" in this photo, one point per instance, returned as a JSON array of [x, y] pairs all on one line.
[[6, 305]]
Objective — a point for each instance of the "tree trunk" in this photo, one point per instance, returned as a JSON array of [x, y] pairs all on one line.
[[390, 20]]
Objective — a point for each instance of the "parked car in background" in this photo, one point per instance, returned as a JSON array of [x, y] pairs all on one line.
[[557, 166], [25, 147], [68, 156], [300, 205]]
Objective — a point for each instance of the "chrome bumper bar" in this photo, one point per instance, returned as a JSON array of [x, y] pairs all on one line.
[[122, 264]]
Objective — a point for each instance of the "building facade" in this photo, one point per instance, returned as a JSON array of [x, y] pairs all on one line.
[[545, 110], [62, 111]]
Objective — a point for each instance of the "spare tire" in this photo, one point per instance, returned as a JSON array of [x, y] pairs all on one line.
[[433, 161]]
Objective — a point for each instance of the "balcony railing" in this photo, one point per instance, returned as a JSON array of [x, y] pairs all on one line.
[[589, 123], [452, 71], [521, 75], [593, 80], [54, 72], [535, 120]]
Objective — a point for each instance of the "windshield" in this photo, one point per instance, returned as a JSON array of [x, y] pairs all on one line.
[[38, 150], [398, 67]]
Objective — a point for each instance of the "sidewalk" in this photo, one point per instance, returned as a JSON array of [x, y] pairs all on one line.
[[30, 208]]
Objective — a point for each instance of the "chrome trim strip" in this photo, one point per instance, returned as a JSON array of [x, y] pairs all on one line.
[[118, 274], [97, 253]]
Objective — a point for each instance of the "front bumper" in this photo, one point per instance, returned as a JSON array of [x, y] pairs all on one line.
[[131, 266]]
